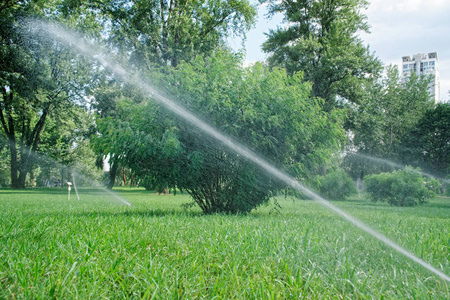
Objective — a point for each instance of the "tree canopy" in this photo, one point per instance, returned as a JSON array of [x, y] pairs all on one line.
[[427, 144], [170, 31], [33, 85], [391, 109], [321, 40], [161, 34], [269, 110]]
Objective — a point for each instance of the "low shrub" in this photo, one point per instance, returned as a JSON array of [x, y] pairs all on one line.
[[400, 188], [336, 185]]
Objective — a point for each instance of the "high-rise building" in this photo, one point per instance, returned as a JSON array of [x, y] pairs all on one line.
[[424, 65]]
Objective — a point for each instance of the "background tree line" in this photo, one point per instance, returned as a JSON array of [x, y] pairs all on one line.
[[319, 83]]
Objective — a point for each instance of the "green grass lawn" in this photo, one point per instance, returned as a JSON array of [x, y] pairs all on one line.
[[98, 248]]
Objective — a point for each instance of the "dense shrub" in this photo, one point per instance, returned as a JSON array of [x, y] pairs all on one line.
[[268, 110], [400, 188], [336, 185]]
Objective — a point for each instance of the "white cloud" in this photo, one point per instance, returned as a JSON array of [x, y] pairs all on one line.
[[406, 27], [408, 5]]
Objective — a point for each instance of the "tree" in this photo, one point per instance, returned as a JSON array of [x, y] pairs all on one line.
[[427, 145], [391, 108], [106, 96], [64, 149], [37, 80], [161, 34], [169, 31], [321, 40], [268, 110]]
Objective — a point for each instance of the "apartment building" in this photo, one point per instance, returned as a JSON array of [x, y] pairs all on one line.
[[423, 65]]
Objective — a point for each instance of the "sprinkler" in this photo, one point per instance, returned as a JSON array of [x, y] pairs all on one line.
[[68, 188]]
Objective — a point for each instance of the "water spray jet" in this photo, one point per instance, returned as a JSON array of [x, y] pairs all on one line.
[[75, 187], [398, 166], [68, 38]]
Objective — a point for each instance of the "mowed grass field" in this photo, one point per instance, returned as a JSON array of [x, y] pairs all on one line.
[[98, 248]]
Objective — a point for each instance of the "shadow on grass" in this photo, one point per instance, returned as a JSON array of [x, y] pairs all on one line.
[[149, 213], [364, 202], [438, 205], [122, 190], [386, 205], [93, 191], [55, 190], [137, 190]]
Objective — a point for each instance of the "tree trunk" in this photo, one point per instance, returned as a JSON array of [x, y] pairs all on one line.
[[112, 175], [20, 166], [14, 165], [22, 178], [32, 179], [9, 128], [25, 166]]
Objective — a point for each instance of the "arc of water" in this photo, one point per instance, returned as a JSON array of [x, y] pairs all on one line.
[[398, 166], [121, 199], [75, 186], [97, 185], [71, 39]]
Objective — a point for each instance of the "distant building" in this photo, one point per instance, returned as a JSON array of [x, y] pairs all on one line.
[[424, 65]]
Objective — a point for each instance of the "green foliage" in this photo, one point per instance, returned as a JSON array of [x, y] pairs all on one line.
[[321, 41], [391, 109], [161, 34], [168, 32], [428, 143], [269, 111], [401, 188], [39, 79], [336, 185]]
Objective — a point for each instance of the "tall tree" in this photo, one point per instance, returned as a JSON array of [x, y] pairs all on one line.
[[321, 40], [109, 96], [162, 33], [427, 145], [168, 31], [64, 149], [37, 79], [391, 108]]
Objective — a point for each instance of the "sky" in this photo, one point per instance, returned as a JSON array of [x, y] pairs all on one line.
[[398, 28]]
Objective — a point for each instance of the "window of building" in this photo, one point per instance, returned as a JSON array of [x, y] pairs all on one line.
[[431, 63], [425, 64]]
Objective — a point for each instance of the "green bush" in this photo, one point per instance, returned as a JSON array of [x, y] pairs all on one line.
[[271, 112], [336, 185], [400, 188]]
